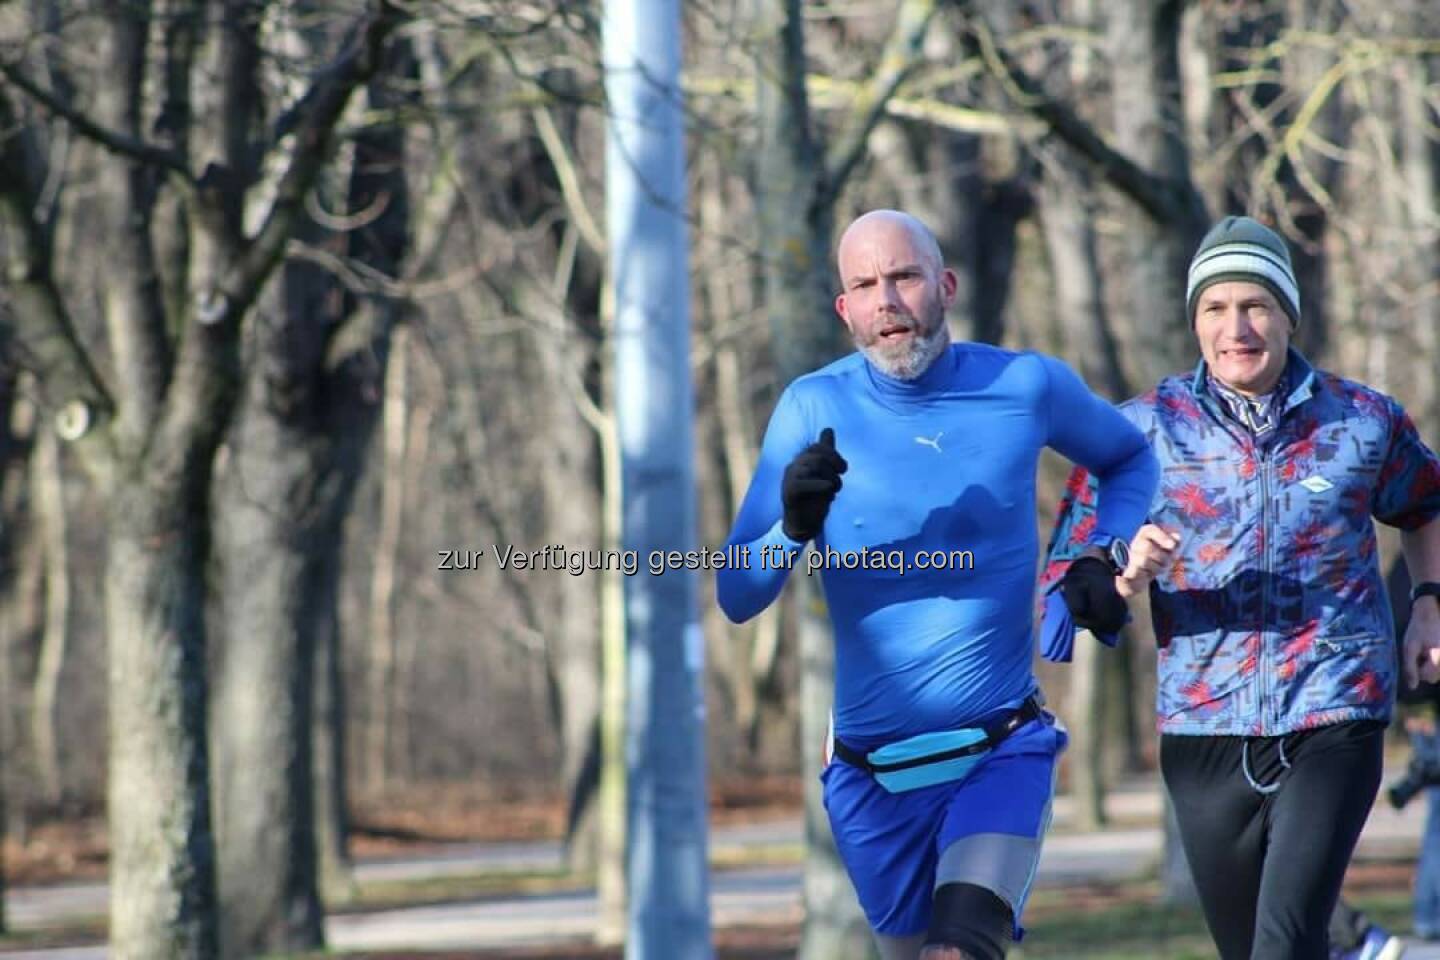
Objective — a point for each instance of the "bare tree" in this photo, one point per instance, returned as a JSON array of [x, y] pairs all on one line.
[[147, 431], [295, 452]]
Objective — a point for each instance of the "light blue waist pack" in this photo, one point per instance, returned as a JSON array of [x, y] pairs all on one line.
[[931, 758]]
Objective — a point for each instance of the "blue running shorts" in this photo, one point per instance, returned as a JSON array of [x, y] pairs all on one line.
[[985, 829]]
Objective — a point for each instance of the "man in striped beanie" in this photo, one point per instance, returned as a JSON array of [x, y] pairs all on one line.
[[1238, 248], [1277, 668], [1238, 263]]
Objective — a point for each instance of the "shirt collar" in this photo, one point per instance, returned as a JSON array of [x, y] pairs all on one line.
[[1299, 376], [1259, 415]]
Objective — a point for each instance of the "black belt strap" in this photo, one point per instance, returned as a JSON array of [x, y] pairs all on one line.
[[995, 732]]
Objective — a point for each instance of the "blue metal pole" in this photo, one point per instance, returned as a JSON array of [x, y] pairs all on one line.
[[666, 850]]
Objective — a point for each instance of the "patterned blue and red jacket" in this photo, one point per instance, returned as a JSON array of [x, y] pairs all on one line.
[[1273, 617]]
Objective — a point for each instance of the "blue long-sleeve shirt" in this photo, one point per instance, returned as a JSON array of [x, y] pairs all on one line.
[[945, 462]]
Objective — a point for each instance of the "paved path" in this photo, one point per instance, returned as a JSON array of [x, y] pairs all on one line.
[[752, 894]]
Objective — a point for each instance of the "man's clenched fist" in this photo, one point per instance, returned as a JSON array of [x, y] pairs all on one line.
[[1151, 553], [811, 481]]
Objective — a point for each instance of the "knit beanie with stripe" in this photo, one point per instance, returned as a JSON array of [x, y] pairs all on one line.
[[1238, 248]]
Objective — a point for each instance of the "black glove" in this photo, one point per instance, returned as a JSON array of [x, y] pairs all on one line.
[[811, 481], [1089, 591]]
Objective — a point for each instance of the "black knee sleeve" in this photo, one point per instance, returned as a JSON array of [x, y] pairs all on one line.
[[971, 918]]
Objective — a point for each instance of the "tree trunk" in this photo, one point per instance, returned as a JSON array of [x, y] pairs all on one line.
[[797, 184], [264, 814], [4, 810], [407, 639], [162, 879], [1068, 222], [573, 653], [1067, 217], [794, 201], [279, 703], [332, 816], [834, 925], [796, 222], [381, 699], [959, 209], [1002, 207], [754, 655], [296, 455], [354, 366], [1422, 250], [16, 429], [1177, 884], [22, 585], [49, 492], [735, 440], [1143, 37], [23, 622], [610, 869], [280, 511], [1128, 721]]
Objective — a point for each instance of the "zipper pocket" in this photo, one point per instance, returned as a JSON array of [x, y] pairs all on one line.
[[1348, 641]]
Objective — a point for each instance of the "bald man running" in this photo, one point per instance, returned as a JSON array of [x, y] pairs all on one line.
[[940, 786]]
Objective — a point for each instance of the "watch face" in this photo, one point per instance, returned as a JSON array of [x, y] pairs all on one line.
[[1119, 554]]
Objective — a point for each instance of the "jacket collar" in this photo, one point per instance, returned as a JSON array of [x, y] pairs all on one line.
[[1297, 369]]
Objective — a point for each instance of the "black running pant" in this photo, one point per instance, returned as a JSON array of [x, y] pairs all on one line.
[[1268, 825]]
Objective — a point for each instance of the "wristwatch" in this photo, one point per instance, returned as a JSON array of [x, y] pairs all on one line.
[[1430, 588], [1117, 553]]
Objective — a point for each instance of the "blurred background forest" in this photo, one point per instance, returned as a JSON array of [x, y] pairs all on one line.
[[322, 284]]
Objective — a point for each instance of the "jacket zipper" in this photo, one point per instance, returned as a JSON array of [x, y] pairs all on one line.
[[1263, 653]]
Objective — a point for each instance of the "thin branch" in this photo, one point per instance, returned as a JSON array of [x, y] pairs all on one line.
[[168, 160], [937, 113], [827, 92], [355, 276], [569, 180], [321, 107], [1157, 196], [345, 222], [133, 309], [1251, 77], [902, 54], [1295, 133], [364, 280], [181, 39], [1346, 42], [42, 328], [207, 373]]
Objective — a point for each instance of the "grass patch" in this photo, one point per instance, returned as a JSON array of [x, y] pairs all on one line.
[[1095, 921], [1122, 922], [1127, 922], [758, 855], [76, 931], [457, 888], [461, 887], [1389, 908]]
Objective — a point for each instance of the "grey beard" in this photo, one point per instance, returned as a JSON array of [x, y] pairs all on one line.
[[915, 360]]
